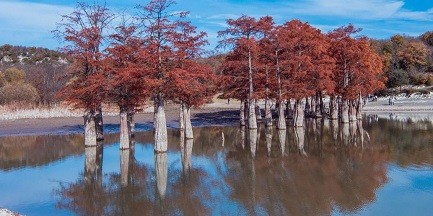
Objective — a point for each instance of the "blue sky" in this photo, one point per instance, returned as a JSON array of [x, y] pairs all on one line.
[[29, 22]]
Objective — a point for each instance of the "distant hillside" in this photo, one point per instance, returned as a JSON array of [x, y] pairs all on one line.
[[44, 69], [14, 55]]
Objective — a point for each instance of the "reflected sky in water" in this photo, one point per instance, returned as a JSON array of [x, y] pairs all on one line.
[[381, 166]]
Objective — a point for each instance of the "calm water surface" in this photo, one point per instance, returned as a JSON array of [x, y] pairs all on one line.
[[377, 167]]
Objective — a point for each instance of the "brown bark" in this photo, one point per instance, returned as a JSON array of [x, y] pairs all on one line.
[[268, 114], [318, 108], [359, 106]]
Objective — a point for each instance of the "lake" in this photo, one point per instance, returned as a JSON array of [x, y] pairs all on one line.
[[380, 166]]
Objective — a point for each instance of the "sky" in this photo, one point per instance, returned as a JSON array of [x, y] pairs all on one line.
[[30, 22]]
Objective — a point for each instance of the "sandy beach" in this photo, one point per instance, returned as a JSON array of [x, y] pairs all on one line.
[[217, 113]]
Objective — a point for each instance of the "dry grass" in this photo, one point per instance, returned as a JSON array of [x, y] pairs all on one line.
[[13, 113], [32, 113]]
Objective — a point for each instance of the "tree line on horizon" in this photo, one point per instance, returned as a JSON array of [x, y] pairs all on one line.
[[158, 56]]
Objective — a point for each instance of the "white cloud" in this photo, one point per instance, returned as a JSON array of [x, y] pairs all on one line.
[[359, 9], [31, 16]]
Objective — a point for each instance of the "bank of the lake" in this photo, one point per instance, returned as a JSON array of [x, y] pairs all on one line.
[[217, 113]]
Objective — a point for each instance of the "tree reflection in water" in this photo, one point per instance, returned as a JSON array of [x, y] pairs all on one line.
[[346, 165]]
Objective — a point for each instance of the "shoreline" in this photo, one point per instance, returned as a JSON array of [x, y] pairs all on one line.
[[218, 113]]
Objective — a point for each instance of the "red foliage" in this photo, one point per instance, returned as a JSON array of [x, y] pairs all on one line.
[[190, 82], [306, 67], [83, 29], [127, 83], [241, 64], [358, 67]]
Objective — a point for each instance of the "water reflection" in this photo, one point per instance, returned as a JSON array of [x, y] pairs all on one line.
[[282, 140], [253, 141], [268, 134], [161, 169], [93, 164], [322, 169], [126, 165], [300, 139]]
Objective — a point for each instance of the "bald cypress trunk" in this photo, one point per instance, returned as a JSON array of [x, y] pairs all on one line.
[[352, 110], [160, 125], [333, 108], [258, 111], [268, 114], [281, 119], [89, 129], [125, 133], [319, 104], [345, 111], [252, 119], [188, 125], [312, 112], [243, 137], [299, 113], [181, 117], [359, 106], [99, 123], [131, 122], [242, 113]]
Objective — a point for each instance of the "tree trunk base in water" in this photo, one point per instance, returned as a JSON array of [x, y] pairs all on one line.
[[89, 130], [281, 118], [160, 127], [99, 124]]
